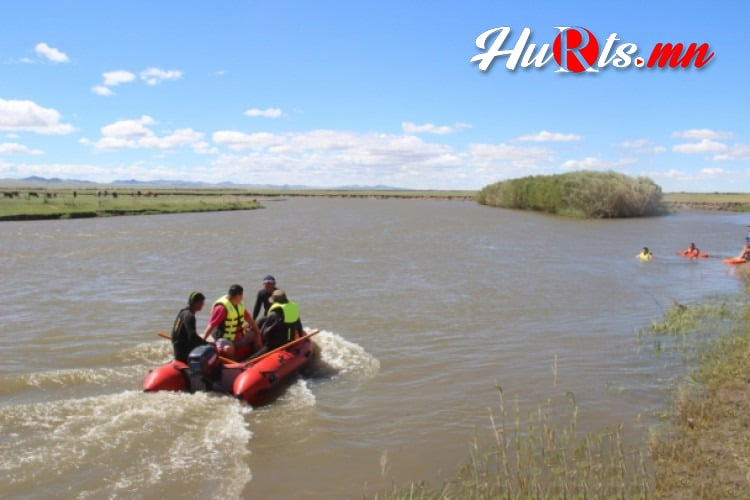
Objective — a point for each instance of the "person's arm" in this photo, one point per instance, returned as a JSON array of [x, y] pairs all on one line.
[[218, 315], [253, 326], [258, 304], [251, 334]]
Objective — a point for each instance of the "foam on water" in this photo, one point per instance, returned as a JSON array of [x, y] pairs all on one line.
[[169, 438], [336, 356]]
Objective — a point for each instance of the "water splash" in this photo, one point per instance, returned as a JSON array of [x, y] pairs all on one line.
[[124, 443], [336, 356]]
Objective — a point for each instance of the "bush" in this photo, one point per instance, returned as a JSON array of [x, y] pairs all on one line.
[[582, 194]]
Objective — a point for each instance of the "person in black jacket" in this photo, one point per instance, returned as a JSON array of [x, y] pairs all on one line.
[[184, 335], [264, 296], [282, 325]]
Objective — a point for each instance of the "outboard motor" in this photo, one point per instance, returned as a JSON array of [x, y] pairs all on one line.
[[204, 368]]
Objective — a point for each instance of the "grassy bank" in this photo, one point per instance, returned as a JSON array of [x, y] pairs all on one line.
[[700, 450], [50, 201], [703, 450], [733, 202], [28, 203]]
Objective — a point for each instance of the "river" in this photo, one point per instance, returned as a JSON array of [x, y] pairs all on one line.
[[424, 306]]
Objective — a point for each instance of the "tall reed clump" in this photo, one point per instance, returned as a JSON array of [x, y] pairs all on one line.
[[580, 194]]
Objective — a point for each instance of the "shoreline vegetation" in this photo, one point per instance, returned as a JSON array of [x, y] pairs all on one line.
[[35, 202], [698, 450], [52, 201], [582, 194]]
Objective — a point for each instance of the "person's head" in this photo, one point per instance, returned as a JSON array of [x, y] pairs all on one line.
[[278, 297], [645, 249], [235, 294], [196, 300], [692, 245], [269, 283]]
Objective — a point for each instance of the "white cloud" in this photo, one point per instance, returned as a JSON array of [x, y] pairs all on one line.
[[704, 146], [702, 133], [545, 136], [114, 78], [739, 152], [486, 155], [334, 157], [180, 137], [28, 116], [129, 128], [15, 148], [102, 90], [429, 128], [154, 76], [588, 163], [50, 53], [594, 163], [136, 134], [265, 113], [642, 146], [240, 141], [712, 172]]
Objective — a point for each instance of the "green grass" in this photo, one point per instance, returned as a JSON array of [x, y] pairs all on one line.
[[61, 204], [735, 202], [587, 194]]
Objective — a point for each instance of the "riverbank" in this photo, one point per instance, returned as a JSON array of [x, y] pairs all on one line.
[[46, 201], [31, 203], [702, 451], [730, 202], [37, 204]]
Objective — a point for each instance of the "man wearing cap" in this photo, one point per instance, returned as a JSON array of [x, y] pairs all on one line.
[[283, 323], [231, 321], [264, 294], [184, 335]]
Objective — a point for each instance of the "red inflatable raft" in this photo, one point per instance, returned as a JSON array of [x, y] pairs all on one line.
[[253, 381], [735, 260]]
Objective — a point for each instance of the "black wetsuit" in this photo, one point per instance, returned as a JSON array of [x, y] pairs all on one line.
[[275, 332], [262, 299], [184, 336]]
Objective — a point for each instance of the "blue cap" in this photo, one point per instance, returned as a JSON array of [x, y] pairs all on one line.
[[269, 279]]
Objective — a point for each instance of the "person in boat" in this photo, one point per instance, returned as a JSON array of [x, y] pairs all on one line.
[[263, 297], [184, 335], [282, 324], [645, 254], [692, 251], [231, 321]]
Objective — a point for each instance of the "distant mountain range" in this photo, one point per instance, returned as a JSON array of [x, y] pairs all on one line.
[[167, 183]]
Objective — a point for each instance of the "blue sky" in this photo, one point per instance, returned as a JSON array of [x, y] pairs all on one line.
[[363, 93]]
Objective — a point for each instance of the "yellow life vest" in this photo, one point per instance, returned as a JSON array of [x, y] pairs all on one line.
[[235, 318], [290, 313]]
